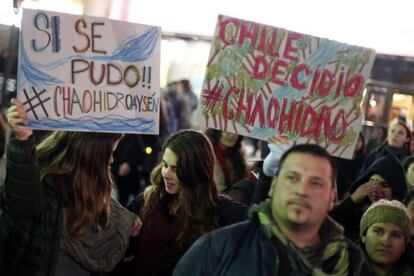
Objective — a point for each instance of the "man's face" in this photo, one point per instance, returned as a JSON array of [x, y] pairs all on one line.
[[302, 194], [384, 243]]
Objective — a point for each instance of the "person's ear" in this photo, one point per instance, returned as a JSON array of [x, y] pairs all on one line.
[[363, 238], [272, 186]]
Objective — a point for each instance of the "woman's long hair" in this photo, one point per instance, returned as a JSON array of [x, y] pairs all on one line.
[[360, 154], [79, 164], [236, 158], [197, 197]]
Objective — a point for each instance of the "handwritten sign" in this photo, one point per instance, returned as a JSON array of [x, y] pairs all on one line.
[[263, 82], [89, 74]]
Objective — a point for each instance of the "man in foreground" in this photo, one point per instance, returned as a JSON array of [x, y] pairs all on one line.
[[288, 234]]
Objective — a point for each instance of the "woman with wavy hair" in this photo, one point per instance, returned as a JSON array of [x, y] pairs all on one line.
[[180, 205], [60, 218], [230, 166]]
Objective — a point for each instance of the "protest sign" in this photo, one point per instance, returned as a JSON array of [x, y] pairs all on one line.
[[264, 82], [88, 74]]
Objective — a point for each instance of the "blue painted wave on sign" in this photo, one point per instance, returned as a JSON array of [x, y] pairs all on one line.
[[133, 49], [30, 72], [110, 123]]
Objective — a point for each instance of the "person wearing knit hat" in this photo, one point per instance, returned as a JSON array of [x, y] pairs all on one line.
[[409, 172], [410, 206], [385, 230], [387, 211]]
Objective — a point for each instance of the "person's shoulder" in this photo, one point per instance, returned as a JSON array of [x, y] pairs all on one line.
[[211, 250], [218, 251], [137, 203], [224, 201], [352, 246], [236, 227], [230, 211], [356, 258], [225, 237], [373, 155]]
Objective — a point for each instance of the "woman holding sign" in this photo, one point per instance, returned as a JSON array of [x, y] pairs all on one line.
[[180, 205], [60, 218]]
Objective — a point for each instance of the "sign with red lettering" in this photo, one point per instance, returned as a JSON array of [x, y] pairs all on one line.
[[265, 82], [89, 74]]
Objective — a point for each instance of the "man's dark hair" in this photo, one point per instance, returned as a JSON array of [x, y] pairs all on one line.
[[312, 149]]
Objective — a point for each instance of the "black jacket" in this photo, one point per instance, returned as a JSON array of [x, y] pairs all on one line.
[[391, 169], [29, 230], [382, 151], [244, 249], [348, 214]]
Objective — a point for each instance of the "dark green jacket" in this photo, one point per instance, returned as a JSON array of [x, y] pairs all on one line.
[[29, 230]]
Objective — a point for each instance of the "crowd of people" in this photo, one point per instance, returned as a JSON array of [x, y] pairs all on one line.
[[193, 204]]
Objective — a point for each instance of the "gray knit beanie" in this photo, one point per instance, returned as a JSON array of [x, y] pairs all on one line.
[[387, 211]]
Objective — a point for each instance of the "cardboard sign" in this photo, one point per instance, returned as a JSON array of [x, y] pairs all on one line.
[[266, 82], [89, 74]]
